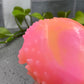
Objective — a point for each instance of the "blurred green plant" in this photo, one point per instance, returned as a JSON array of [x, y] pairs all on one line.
[[20, 16], [47, 15], [63, 14], [79, 17]]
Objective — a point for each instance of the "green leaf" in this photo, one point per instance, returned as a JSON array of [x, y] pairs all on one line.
[[79, 17], [27, 11], [18, 8], [79, 13], [17, 12], [48, 15], [2, 42], [68, 13], [63, 14], [20, 16], [9, 34], [37, 15], [9, 39], [4, 32], [3, 36]]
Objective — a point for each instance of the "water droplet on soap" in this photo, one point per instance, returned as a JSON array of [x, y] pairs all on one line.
[[43, 82], [36, 41], [23, 36], [38, 52], [37, 62], [77, 30], [41, 37], [35, 73], [29, 60], [27, 67], [29, 44], [26, 49], [46, 75], [33, 49]]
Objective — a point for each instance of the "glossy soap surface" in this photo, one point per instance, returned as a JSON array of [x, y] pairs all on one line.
[[54, 51]]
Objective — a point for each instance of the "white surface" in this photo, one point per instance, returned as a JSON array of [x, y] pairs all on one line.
[[8, 6]]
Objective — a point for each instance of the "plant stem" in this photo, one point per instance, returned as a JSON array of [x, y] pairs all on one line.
[[31, 19], [19, 32], [18, 25], [15, 35], [26, 23], [19, 35]]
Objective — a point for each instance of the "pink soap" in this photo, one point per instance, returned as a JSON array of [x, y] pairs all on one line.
[[53, 50]]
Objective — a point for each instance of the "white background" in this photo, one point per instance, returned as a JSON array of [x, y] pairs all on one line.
[[8, 6]]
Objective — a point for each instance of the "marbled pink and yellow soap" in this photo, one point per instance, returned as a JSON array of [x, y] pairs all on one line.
[[54, 51]]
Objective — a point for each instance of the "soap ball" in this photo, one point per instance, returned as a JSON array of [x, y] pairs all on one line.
[[53, 50]]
